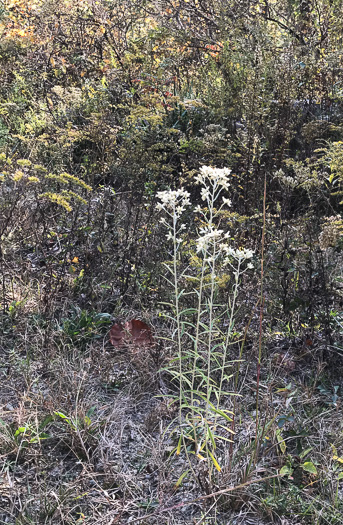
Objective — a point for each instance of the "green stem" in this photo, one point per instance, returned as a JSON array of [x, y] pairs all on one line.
[[196, 353], [178, 320], [209, 349], [179, 340]]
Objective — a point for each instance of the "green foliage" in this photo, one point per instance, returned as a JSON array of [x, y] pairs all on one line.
[[25, 435], [81, 326], [77, 424], [102, 106]]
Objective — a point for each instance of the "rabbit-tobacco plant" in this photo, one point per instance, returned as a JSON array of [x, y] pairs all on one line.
[[202, 371]]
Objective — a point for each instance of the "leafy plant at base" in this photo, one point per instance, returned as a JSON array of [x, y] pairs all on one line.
[[82, 429], [21, 437], [82, 326]]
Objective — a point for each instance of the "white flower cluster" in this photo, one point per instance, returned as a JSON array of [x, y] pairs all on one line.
[[240, 255], [210, 235], [173, 202], [212, 242], [215, 176], [213, 181], [205, 193]]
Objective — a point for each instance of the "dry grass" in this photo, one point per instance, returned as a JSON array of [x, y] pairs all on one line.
[[109, 456]]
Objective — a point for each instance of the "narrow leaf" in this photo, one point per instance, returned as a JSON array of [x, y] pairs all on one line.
[[178, 450], [215, 462], [181, 478]]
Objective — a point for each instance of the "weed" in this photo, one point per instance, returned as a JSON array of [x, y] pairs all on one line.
[[204, 370]]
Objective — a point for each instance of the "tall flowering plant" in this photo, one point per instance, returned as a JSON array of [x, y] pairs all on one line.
[[202, 366]]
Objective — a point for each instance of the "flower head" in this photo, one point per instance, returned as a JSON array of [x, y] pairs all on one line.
[[226, 201], [214, 176], [205, 193], [209, 236], [241, 254], [173, 202]]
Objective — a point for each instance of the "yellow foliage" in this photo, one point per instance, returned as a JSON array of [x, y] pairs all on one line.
[[18, 175], [58, 199]]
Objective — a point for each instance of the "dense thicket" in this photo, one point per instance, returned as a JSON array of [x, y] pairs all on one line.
[[105, 103], [134, 97]]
